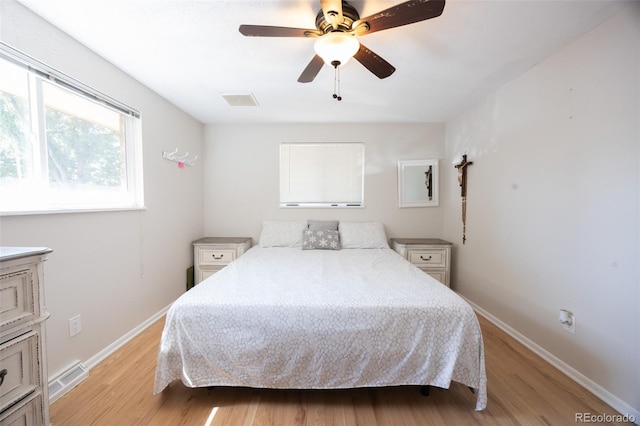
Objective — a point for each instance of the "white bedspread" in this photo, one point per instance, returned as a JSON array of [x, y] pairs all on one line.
[[319, 319]]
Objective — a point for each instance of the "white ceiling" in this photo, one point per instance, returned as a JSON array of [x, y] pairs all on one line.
[[191, 53]]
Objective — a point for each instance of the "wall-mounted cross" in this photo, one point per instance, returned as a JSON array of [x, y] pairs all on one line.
[[462, 181]]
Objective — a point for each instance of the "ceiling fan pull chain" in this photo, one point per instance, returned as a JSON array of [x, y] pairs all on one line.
[[336, 82]]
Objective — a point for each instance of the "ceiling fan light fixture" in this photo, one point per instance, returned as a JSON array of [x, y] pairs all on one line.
[[336, 46]]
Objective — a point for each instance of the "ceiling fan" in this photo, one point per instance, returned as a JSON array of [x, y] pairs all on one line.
[[337, 25]]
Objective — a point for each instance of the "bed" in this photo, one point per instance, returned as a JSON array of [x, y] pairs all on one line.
[[287, 317]]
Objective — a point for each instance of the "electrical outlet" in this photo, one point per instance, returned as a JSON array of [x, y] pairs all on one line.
[[75, 326], [568, 320], [570, 328]]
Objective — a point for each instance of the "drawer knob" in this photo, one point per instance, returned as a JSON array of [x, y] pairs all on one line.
[[217, 257], [3, 373], [423, 258]]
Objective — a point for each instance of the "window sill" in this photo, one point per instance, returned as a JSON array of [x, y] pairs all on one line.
[[71, 211], [321, 205]]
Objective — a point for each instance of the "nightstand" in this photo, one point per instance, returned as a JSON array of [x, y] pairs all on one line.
[[214, 253], [431, 255]]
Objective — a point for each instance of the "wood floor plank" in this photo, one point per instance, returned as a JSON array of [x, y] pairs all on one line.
[[523, 389]]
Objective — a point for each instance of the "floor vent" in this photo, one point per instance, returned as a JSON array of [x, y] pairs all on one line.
[[67, 381]]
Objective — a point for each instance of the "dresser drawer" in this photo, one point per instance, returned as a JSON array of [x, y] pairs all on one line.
[[28, 412], [17, 298], [213, 256], [19, 368], [428, 258]]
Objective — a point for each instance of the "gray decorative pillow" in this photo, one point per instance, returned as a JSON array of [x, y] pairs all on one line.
[[322, 239]]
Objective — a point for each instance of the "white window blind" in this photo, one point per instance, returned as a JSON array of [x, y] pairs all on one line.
[[322, 175]]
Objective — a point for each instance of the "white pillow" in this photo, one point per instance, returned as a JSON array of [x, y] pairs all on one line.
[[282, 234], [364, 235]]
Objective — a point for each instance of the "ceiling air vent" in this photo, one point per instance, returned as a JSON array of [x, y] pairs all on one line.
[[240, 100]]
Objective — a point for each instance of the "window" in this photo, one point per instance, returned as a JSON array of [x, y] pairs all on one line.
[[321, 175], [63, 146]]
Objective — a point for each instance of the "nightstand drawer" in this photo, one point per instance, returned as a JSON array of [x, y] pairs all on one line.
[[212, 256], [204, 273], [430, 258], [438, 274]]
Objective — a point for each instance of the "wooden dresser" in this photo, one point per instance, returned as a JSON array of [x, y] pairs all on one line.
[[431, 255], [24, 396], [214, 253]]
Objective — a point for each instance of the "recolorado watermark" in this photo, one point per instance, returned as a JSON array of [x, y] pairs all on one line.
[[604, 418]]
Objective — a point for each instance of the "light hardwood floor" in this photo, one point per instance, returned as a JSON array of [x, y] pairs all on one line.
[[523, 389]]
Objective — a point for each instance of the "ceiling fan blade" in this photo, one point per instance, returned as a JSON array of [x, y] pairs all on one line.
[[311, 70], [374, 63], [332, 10], [409, 12], [268, 31]]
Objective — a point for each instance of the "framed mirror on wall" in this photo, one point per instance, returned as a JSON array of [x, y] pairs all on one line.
[[418, 183]]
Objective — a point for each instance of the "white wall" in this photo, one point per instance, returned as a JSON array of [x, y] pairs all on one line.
[[553, 215], [242, 175], [115, 269]]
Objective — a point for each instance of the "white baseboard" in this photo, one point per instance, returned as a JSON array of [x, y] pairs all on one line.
[[606, 396], [80, 371], [103, 354]]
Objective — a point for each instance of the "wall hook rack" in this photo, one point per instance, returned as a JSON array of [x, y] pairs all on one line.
[[180, 159]]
